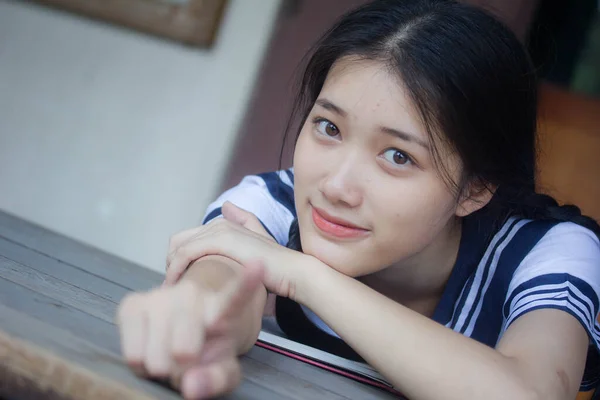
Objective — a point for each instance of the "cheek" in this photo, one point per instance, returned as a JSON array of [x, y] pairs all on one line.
[[309, 163], [300, 152], [419, 206], [416, 215], [406, 220]]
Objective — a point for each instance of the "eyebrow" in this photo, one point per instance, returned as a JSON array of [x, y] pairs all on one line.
[[407, 137], [328, 105]]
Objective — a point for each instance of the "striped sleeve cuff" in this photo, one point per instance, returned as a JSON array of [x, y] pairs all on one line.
[[562, 292], [216, 213]]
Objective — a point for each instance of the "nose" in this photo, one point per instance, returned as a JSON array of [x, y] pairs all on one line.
[[341, 186]]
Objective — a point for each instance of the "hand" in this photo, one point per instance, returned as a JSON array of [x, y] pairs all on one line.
[[182, 240], [186, 333], [241, 237]]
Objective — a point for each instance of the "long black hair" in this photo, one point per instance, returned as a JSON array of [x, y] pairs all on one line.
[[472, 84]]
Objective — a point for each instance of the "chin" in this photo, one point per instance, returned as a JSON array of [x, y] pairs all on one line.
[[339, 256]]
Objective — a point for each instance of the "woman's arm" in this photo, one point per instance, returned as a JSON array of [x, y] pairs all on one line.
[[541, 356], [216, 273]]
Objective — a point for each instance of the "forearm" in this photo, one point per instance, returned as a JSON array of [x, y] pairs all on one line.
[[215, 273], [423, 359]]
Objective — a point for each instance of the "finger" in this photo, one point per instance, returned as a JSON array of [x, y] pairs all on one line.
[[233, 213], [183, 256], [132, 321], [191, 250], [239, 293], [177, 267], [157, 360], [221, 238], [211, 380], [178, 240], [187, 335]]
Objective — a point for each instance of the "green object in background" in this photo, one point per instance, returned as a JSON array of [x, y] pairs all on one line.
[[564, 44], [586, 77]]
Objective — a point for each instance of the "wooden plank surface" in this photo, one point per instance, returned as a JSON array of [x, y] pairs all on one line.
[[333, 385], [56, 289], [54, 360], [60, 315], [63, 271], [58, 337], [261, 367], [78, 255]]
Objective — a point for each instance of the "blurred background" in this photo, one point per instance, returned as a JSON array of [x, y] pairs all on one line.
[[119, 135]]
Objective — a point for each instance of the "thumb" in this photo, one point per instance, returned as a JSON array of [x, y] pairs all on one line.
[[233, 213]]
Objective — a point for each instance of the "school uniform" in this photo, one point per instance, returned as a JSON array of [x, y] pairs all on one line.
[[501, 272]]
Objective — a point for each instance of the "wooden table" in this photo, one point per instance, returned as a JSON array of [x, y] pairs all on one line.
[[58, 340]]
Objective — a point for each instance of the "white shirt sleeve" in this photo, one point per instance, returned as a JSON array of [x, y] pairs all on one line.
[[562, 271]]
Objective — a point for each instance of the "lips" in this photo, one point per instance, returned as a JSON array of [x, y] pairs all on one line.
[[337, 227]]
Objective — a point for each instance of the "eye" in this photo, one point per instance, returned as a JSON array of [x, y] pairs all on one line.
[[326, 127], [397, 157]]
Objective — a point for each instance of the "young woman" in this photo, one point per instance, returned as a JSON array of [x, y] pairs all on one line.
[[425, 250]]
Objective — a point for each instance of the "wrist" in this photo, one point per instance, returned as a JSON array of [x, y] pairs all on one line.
[[310, 280], [211, 272]]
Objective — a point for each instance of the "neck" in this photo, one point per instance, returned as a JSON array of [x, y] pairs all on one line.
[[419, 282]]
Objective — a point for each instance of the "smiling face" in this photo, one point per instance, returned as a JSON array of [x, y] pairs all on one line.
[[368, 194]]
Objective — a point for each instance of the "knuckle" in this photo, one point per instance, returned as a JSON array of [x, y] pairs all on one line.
[[175, 241], [221, 225], [185, 253]]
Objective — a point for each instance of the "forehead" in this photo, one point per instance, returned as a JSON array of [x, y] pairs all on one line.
[[371, 93]]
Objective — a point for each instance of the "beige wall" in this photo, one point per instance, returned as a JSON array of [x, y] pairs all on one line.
[[117, 138]]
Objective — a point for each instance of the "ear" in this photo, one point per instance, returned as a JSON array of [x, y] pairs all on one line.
[[475, 196]]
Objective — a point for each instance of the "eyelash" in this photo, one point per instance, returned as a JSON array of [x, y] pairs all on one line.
[[319, 120]]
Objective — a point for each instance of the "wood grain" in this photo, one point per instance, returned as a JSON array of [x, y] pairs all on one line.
[[58, 290], [60, 315], [55, 361], [193, 22], [331, 385], [27, 367], [63, 271], [77, 255], [58, 339]]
